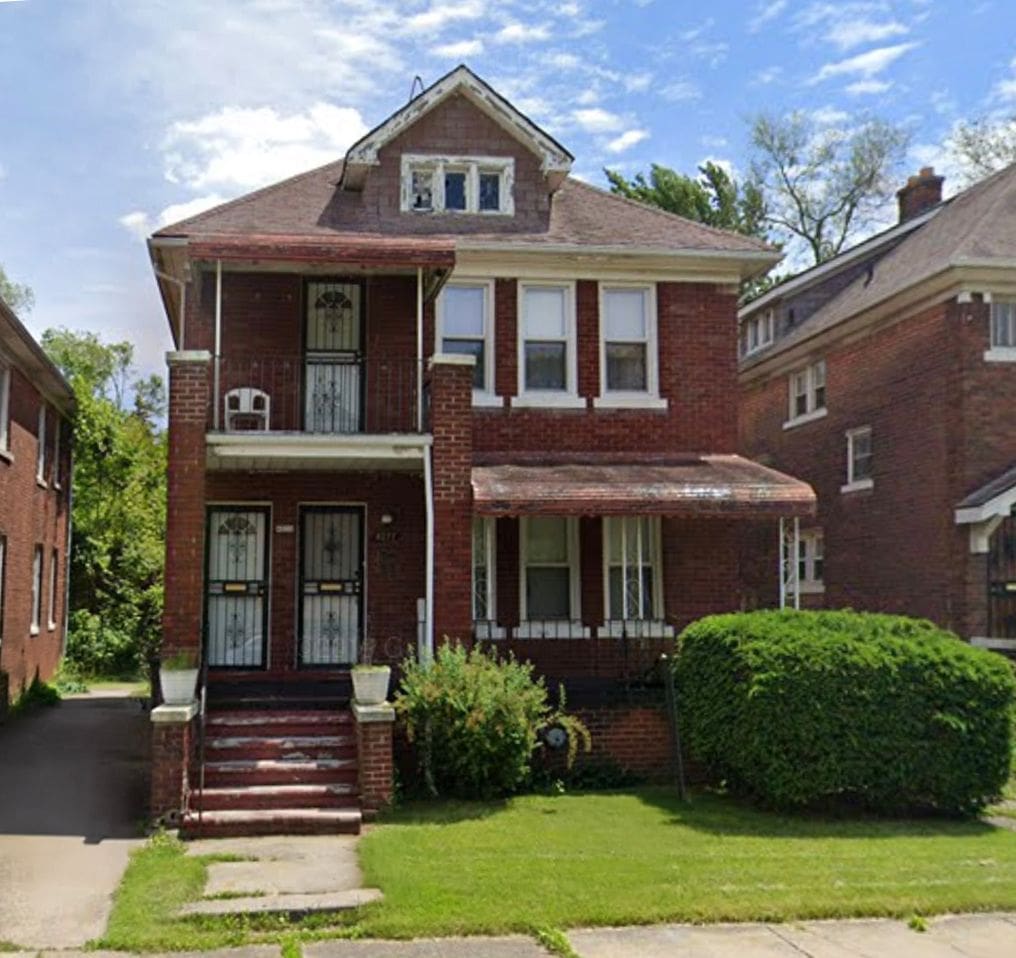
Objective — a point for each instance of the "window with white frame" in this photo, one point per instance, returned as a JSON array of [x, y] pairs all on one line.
[[483, 569], [859, 458], [40, 455], [1003, 325], [462, 184], [549, 568], [547, 340], [5, 405], [628, 361], [758, 332], [36, 589], [810, 556], [632, 559], [465, 325], [808, 391], [56, 451], [52, 589]]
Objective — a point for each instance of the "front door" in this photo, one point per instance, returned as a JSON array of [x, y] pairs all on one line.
[[331, 585], [1002, 581], [235, 606], [333, 380]]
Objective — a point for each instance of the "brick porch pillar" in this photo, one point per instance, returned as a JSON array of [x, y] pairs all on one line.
[[374, 727], [451, 392], [173, 739]]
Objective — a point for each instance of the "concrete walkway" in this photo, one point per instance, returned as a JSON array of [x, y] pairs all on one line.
[[72, 796]]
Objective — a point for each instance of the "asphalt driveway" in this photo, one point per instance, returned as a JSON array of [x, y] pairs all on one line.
[[72, 797]]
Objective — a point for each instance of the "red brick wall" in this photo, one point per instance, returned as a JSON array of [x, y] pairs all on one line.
[[892, 548], [376, 765], [32, 515]]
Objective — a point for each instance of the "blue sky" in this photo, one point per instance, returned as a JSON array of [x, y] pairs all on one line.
[[117, 116]]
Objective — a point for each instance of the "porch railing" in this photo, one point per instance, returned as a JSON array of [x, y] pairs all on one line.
[[328, 396]]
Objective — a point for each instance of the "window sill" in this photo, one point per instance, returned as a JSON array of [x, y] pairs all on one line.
[[551, 629], [488, 630], [41, 483], [548, 400], [806, 418], [811, 588], [51, 627], [1000, 354], [6, 455], [859, 486], [487, 401], [630, 401], [34, 630], [637, 629]]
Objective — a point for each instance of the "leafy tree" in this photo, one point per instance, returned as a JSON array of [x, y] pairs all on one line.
[[17, 296], [822, 186], [119, 508], [713, 197], [984, 146]]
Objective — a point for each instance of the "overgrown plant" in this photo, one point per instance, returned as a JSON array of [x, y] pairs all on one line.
[[476, 720], [816, 708]]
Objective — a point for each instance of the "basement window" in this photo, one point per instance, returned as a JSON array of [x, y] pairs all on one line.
[[479, 185]]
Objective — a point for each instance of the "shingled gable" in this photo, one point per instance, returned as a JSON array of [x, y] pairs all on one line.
[[555, 160]]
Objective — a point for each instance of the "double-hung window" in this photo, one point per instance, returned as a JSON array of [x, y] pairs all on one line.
[[465, 325], [547, 350], [810, 557], [632, 574], [484, 566], [758, 332], [550, 582], [480, 185], [53, 560], [40, 455], [807, 394], [859, 459], [57, 474], [5, 406], [1003, 331], [36, 589], [629, 372]]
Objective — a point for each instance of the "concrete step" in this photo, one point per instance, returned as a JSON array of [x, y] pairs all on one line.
[[292, 904], [279, 723], [276, 821], [223, 748], [266, 771], [256, 797]]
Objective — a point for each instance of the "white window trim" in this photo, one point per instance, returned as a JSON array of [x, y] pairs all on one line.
[[852, 484], [1000, 354], [571, 628], [51, 622], [649, 398], [485, 396], [6, 374], [40, 456], [809, 585], [615, 628], [37, 567], [567, 398], [996, 351], [473, 166], [766, 322], [489, 627], [56, 451], [813, 411]]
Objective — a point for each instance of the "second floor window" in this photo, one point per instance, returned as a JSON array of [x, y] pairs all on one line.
[[461, 184], [465, 326], [41, 455], [859, 458], [36, 589], [628, 334], [808, 390], [53, 561], [547, 339], [1003, 325], [758, 332]]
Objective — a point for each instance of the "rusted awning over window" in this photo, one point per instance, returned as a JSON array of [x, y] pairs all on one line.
[[355, 249], [704, 486]]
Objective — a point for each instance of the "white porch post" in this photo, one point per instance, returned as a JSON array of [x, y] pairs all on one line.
[[218, 345]]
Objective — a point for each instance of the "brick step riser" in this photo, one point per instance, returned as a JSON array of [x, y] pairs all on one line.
[[280, 730], [190, 828], [253, 717], [238, 779], [279, 753], [244, 801]]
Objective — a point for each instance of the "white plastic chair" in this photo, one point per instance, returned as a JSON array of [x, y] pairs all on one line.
[[249, 403]]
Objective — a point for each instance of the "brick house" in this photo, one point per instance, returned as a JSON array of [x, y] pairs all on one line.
[[885, 378], [36, 406], [439, 388]]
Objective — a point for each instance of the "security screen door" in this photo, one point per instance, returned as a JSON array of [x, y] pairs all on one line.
[[334, 358], [235, 606], [331, 585]]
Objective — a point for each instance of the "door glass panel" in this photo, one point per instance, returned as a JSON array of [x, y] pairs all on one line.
[[237, 573], [333, 401], [331, 574]]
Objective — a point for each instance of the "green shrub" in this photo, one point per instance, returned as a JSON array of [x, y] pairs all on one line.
[[95, 648], [818, 708], [35, 696], [476, 720]]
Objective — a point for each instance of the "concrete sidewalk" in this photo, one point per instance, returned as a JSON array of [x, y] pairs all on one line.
[[72, 794]]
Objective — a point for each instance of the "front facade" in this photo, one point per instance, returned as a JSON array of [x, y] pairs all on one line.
[[36, 406], [441, 391], [885, 378]]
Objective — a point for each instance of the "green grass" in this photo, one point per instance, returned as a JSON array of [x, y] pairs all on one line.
[[643, 856]]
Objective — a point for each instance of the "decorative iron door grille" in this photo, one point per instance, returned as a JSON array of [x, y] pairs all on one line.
[[1002, 581], [236, 620], [331, 585], [334, 369]]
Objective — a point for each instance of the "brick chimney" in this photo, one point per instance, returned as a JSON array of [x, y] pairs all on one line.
[[921, 193]]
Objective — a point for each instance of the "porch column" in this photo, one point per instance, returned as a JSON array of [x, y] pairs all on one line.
[[374, 727], [173, 740], [185, 519], [451, 411]]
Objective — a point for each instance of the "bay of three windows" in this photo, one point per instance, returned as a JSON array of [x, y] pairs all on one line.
[[548, 341]]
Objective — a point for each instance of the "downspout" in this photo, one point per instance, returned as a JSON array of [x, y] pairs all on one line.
[[218, 345], [181, 325], [419, 349], [428, 498]]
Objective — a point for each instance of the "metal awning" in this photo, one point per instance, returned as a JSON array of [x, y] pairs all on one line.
[[720, 486]]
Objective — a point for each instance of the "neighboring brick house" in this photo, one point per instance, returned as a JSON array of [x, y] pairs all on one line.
[[36, 406], [886, 378], [440, 389]]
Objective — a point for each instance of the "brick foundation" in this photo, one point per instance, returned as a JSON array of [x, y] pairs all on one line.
[[374, 728]]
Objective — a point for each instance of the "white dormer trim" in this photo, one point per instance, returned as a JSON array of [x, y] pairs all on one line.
[[555, 160]]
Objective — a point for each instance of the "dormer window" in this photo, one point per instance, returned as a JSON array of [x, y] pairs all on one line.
[[457, 184]]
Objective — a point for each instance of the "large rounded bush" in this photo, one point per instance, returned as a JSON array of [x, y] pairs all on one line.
[[813, 708]]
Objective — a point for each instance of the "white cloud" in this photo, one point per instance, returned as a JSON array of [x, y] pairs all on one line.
[[767, 12], [681, 90], [638, 82], [240, 148], [862, 87], [768, 75], [459, 50], [522, 33], [3, 172], [829, 116], [697, 31], [626, 140], [142, 225], [865, 65], [442, 14], [713, 142], [597, 120], [849, 33], [1005, 89]]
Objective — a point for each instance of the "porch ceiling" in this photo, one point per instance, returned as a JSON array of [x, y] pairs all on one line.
[[719, 486]]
